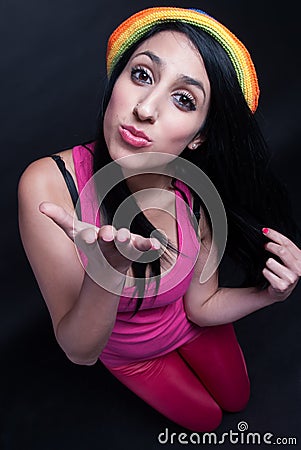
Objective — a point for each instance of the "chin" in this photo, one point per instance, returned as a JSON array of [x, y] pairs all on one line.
[[143, 161]]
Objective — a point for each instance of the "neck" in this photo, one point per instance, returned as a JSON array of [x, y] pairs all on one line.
[[149, 180]]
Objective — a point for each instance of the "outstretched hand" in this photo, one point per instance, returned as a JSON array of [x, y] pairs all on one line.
[[119, 247], [283, 278]]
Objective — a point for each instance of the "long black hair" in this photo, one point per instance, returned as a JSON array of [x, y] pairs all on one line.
[[234, 156]]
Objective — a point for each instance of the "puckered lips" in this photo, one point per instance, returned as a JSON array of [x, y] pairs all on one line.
[[134, 137]]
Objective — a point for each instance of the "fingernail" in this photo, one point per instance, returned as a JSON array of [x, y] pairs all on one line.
[[265, 230], [123, 236], [156, 245], [91, 237]]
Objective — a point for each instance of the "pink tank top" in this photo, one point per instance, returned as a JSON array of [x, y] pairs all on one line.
[[160, 325]]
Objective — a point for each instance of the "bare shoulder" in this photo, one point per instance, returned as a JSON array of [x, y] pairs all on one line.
[[43, 178], [43, 168]]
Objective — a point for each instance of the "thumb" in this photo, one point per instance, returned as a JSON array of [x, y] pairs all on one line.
[[60, 216], [69, 223]]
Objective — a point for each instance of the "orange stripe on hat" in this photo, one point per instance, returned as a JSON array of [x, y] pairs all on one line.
[[136, 26]]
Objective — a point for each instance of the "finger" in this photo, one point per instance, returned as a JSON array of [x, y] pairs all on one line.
[[281, 271], [156, 244], [107, 234], [123, 243], [123, 235], [144, 244], [282, 240], [276, 282], [87, 236], [66, 221], [133, 246], [286, 256], [60, 216], [128, 244]]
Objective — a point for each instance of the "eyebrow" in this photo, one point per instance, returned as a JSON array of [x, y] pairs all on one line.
[[151, 56], [192, 82], [181, 77]]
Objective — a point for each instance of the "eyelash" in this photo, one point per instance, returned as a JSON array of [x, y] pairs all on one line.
[[192, 103], [142, 70], [138, 70]]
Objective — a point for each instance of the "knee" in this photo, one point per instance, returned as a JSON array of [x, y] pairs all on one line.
[[238, 401], [215, 419], [206, 420]]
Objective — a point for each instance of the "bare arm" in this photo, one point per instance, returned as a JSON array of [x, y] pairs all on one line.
[[83, 312], [207, 304]]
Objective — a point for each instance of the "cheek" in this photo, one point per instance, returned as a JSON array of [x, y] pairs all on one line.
[[112, 113], [119, 100], [111, 110], [116, 112], [181, 128], [181, 132]]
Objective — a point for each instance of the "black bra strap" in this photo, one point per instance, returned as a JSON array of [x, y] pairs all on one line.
[[70, 184]]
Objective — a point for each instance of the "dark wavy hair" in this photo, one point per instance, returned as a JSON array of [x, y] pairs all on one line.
[[234, 156]]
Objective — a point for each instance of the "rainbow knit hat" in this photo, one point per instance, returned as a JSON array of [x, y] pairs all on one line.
[[136, 26]]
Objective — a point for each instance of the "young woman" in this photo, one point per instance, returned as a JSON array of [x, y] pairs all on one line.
[[127, 288]]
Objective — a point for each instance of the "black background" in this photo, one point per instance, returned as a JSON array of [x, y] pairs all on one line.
[[52, 63]]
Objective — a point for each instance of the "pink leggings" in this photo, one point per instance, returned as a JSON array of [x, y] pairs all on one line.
[[193, 384]]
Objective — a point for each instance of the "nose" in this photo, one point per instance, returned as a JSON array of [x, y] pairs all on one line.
[[146, 110]]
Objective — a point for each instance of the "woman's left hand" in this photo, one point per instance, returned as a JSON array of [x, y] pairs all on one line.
[[283, 278]]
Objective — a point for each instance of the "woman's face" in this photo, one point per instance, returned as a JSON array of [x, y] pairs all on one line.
[[159, 101]]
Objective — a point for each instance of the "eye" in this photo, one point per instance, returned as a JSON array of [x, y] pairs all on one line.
[[185, 101], [141, 75]]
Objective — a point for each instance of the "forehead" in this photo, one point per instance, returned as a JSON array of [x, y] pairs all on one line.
[[173, 48]]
